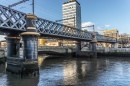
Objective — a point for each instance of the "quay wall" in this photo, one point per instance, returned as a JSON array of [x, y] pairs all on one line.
[[69, 51], [116, 52]]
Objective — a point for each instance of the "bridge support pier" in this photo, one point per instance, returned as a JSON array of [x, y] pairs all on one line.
[[93, 46], [13, 45], [30, 53], [30, 48], [28, 65], [78, 47]]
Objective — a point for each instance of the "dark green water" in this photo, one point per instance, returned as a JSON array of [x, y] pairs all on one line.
[[74, 72]]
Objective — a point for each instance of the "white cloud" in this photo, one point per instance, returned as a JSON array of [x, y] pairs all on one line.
[[99, 30], [107, 26], [84, 24], [87, 24]]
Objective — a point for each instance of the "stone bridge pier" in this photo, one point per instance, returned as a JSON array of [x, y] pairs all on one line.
[[78, 46], [13, 42], [28, 65], [93, 45], [13, 45], [93, 50]]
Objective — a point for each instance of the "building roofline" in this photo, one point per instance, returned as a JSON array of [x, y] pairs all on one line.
[[71, 1]]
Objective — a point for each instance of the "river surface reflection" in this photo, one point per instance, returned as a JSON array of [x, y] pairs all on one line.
[[75, 72]]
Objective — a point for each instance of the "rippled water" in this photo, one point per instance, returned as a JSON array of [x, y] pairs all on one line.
[[76, 72]]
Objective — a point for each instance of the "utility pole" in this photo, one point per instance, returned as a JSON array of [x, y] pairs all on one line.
[[33, 6], [93, 28]]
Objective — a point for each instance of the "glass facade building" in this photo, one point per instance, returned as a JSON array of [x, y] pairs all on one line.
[[71, 12]]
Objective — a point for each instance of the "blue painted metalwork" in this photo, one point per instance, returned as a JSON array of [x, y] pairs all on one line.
[[14, 20]]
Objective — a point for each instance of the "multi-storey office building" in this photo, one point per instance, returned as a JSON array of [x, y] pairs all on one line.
[[72, 13], [114, 34], [111, 33]]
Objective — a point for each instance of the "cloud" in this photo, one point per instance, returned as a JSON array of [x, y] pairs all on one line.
[[99, 30], [84, 24], [107, 26]]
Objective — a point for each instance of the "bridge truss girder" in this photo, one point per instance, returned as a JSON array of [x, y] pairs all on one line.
[[13, 21]]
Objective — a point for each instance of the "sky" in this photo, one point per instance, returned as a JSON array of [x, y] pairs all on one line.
[[104, 14]]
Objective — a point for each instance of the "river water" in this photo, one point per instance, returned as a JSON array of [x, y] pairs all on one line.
[[112, 71]]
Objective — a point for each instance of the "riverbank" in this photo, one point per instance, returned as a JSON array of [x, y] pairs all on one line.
[[116, 54]]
